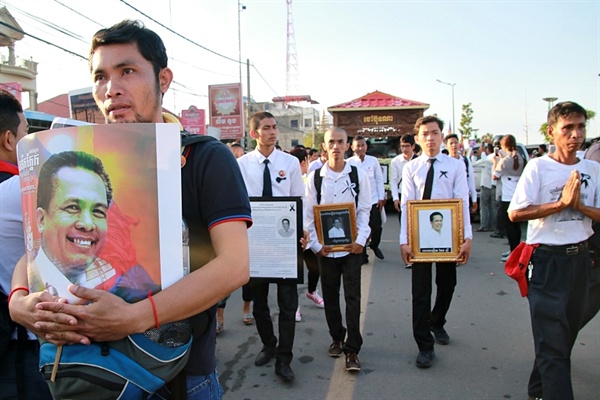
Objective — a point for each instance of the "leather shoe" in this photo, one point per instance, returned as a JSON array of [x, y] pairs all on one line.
[[264, 356], [378, 253], [284, 371], [425, 359], [497, 235], [441, 336]]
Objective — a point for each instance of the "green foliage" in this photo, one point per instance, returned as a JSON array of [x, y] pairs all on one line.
[[486, 138], [544, 128], [466, 119]]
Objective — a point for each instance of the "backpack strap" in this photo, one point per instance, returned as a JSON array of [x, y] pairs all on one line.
[[318, 182], [353, 179], [466, 164]]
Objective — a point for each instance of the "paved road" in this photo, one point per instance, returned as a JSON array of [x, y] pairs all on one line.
[[489, 357]]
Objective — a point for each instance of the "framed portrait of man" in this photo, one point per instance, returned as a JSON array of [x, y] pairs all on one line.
[[435, 230], [336, 225]]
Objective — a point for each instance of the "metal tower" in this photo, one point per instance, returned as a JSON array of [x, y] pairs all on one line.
[[291, 70]]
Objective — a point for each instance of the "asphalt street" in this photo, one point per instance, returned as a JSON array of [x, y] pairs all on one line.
[[490, 354]]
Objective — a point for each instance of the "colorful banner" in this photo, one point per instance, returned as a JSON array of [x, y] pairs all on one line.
[[226, 109], [102, 208]]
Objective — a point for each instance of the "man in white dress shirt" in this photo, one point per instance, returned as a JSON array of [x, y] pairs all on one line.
[[453, 147], [286, 180], [449, 182], [336, 230], [337, 187], [407, 153], [371, 166], [487, 192]]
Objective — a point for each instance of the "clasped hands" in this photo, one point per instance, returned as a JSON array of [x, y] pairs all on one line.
[[103, 318]]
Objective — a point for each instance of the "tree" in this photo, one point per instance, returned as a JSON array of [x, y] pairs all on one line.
[[465, 121], [486, 138], [544, 128]]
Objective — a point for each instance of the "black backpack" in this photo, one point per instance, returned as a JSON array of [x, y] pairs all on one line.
[[353, 179]]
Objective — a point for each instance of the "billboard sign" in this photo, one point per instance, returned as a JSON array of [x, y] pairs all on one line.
[[194, 120], [14, 88], [226, 109]]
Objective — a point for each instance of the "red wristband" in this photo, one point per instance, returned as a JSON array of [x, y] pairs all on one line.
[[153, 309], [16, 290]]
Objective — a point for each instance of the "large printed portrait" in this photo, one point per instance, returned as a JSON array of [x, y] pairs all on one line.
[[92, 209], [435, 230]]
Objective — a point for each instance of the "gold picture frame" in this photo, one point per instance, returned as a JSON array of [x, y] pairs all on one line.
[[429, 236], [336, 225]]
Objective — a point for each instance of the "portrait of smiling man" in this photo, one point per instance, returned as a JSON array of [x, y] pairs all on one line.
[[74, 194]]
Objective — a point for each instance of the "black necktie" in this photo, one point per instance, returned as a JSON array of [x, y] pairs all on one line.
[[429, 181], [267, 189]]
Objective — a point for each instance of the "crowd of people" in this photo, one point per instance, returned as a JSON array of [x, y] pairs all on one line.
[[556, 194]]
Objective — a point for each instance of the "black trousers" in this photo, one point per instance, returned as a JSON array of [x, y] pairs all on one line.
[[424, 318], [375, 225], [312, 264], [512, 229], [332, 270], [558, 291], [20, 377], [287, 300]]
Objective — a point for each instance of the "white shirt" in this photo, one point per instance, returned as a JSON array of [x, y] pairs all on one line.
[[371, 166], [336, 232], [12, 242], [432, 239], [397, 165], [508, 175], [470, 177], [486, 164], [315, 165], [286, 176], [336, 187], [542, 182], [449, 182]]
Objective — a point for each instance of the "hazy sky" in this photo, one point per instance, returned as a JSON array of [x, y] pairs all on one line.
[[503, 56]]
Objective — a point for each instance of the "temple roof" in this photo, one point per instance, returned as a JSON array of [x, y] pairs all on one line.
[[378, 101]]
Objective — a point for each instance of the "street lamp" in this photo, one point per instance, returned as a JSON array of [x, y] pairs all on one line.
[[550, 101], [452, 85]]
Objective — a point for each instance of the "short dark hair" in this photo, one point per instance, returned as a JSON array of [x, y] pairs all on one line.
[[149, 44], [232, 145], [299, 153], [565, 109], [543, 147], [359, 137], [433, 214], [255, 119], [451, 136], [408, 138], [285, 220], [9, 112], [426, 120], [47, 183], [313, 151], [490, 147]]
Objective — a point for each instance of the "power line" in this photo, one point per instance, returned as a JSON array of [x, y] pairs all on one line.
[[80, 14], [43, 41], [180, 35]]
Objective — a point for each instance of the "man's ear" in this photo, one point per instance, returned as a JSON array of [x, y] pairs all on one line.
[[347, 146], [550, 131], [165, 77], [6, 141], [40, 215], [253, 134]]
